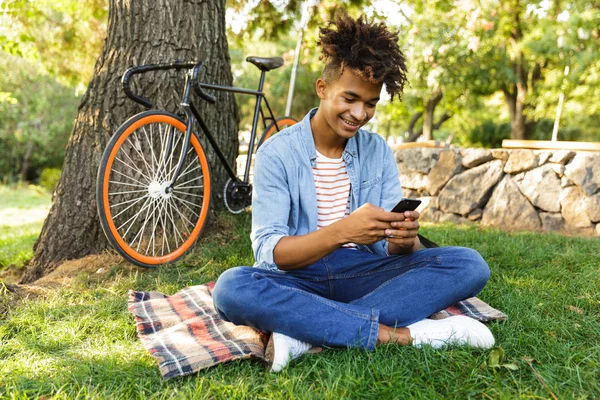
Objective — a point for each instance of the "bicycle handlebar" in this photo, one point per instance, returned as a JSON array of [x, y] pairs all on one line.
[[156, 67]]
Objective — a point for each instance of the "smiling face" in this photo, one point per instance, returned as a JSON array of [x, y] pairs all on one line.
[[347, 103]]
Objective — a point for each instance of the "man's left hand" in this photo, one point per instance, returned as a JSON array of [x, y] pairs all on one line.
[[402, 235]]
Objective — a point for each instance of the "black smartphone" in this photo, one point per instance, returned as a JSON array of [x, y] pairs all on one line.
[[406, 205]]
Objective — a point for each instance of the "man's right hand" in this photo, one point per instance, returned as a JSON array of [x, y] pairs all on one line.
[[366, 225]]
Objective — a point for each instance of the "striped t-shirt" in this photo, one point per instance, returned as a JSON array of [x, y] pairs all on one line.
[[332, 185]]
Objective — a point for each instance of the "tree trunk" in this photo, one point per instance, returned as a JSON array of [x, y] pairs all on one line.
[[516, 104], [412, 136], [139, 32], [432, 103], [25, 166], [516, 95]]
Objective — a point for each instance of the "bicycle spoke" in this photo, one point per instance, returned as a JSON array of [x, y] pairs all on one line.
[[129, 177], [186, 206], [151, 241], [172, 172], [191, 180], [162, 162], [152, 161], [191, 187], [126, 202], [175, 230], [132, 167], [128, 192], [188, 194], [172, 157], [185, 201], [184, 217], [192, 170], [141, 232], [139, 151], [164, 227], [127, 184], [134, 217], [131, 205]]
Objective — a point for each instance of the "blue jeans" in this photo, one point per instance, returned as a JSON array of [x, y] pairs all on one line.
[[340, 300]]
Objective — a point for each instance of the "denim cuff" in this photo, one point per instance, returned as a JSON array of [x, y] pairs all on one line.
[[373, 330]]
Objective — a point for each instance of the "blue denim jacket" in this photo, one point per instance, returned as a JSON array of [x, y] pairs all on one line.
[[284, 200]]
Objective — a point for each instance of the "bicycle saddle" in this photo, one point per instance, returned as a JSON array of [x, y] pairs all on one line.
[[266, 63]]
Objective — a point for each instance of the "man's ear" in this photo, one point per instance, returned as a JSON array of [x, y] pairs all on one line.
[[321, 86]]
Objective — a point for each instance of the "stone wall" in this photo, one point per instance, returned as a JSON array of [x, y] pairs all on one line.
[[546, 190]]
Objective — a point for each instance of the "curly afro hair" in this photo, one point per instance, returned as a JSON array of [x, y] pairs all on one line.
[[369, 49]]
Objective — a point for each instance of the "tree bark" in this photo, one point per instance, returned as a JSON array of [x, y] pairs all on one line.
[[516, 95], [414, 135], [26, 158], [411, 127], [432, 103], [139, 32]]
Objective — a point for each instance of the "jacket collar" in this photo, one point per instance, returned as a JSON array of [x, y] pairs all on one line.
[[309, 142]]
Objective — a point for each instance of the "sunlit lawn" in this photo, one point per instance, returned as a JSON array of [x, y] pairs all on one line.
[[22, 213], [79, 341]]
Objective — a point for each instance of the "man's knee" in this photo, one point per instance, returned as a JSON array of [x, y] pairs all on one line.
[[227, 295], [475, 270]]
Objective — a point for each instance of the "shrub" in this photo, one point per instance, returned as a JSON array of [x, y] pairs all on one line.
[[489, 134], [49, 178]]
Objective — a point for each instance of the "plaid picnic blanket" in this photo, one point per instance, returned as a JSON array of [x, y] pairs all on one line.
[[185, 334]]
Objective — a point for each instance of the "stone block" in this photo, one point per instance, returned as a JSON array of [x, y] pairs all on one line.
[[573, 203], [410, 193], [431, 214], [412, 179], [500, 154], [453, 218], [562, 156], [541, 186], [471, 189], [559, 169], [552, 222], [565, 182], [475, 214], [420, 159], [448, 165], [520, 161], [593, 207], [474, 157], [426, 202], [584, 171], [543, 156], [509, 208]]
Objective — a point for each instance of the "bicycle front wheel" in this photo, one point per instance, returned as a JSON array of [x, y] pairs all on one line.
[[147, 221], [279, 124]]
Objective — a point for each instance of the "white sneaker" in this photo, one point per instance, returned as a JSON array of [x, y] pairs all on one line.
[[282, 349], [457, 330]]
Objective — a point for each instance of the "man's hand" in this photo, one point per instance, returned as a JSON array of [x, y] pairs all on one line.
[[366, 225], [369, 224], [402, 236]]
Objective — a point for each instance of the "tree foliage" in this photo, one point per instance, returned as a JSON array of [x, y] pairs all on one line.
[[64, 36]]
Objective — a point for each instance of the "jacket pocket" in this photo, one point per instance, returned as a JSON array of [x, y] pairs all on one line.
[[370, 183]]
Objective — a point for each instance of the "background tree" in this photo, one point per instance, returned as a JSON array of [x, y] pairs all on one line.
[[139, 32]]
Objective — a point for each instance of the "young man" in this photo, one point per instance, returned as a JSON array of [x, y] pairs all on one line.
[[335, 266]]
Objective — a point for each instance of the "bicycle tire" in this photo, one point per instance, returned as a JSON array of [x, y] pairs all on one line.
[[133, 180], [281, 122]]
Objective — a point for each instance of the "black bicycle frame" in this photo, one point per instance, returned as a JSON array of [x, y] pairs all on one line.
[[192, 113], [257, 110]]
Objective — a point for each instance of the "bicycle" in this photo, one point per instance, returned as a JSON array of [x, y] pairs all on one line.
[[154, 184]]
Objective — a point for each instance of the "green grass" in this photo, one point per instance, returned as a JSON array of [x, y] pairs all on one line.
[[22, 213], [80, 341]]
